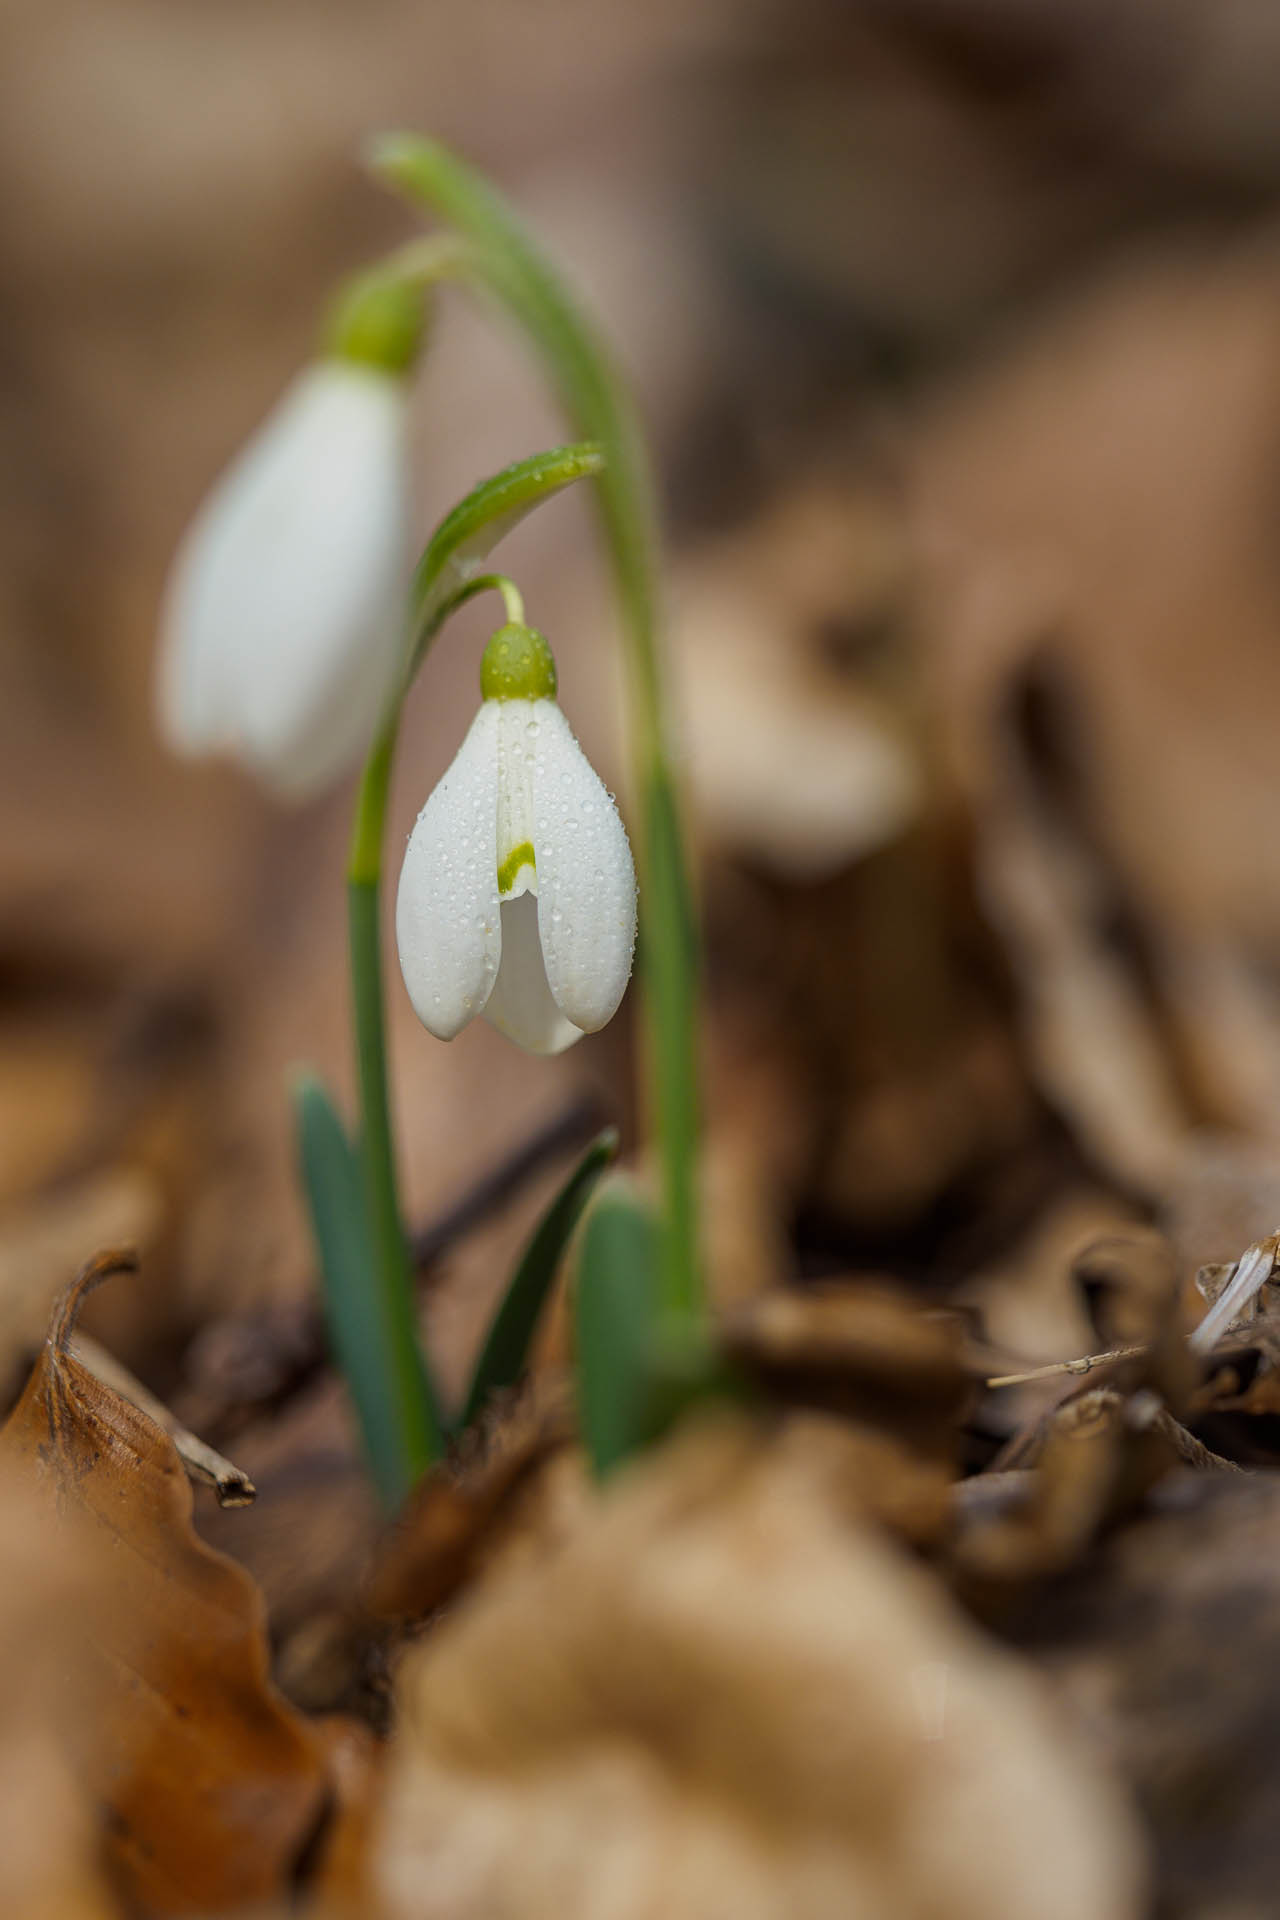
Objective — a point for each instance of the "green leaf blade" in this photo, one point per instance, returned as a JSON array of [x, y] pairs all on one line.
[[505, 1352], [615, 1324], [334, 1187]]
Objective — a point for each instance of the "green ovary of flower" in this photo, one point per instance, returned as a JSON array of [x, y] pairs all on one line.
[[517, 665], [378, 320]]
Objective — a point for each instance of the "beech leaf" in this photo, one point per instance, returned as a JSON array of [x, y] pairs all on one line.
[[211, 1785]]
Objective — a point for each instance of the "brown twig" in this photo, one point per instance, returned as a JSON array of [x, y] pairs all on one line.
[[1058, 1367]]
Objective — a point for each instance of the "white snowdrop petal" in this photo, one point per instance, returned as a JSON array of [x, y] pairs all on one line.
[[284, 623], [586, 879], [521, 1005], [448, 927]]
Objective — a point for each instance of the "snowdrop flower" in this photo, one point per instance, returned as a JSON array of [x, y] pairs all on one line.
[[285, 622], [518, 894]]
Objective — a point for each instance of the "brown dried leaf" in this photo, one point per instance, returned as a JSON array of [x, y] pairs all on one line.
[[48, 1841], [718, 1696], [863, 1349], [1089, 1462], [790, 760], [1101, 1448], [1169, 1641], [1133, 1289], [440, 1537], [211, 1787]]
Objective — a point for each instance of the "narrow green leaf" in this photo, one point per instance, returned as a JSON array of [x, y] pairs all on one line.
[[506, 1349], [616, 1328], [461, 544], [334, 1188]]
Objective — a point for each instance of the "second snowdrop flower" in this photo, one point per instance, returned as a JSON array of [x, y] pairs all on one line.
[[518, 894], [284, 631]]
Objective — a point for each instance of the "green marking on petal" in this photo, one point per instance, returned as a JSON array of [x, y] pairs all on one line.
[[521, 856]]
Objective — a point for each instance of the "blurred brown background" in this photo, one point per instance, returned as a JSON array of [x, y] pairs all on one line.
[[956, 326]]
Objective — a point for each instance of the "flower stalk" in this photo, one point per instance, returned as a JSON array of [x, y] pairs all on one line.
[[408, 1384], [503, 260]]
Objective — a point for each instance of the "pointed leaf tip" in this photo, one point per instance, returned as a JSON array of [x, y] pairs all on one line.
[[505, 1354]]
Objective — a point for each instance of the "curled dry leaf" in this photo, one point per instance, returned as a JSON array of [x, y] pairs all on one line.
[[210, 1787], [231, 1486], [1131, 1284], [1097, 1453], [43, 1240], [716, 1696]]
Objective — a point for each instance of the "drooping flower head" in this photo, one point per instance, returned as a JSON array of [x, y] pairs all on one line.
[[518, 895], [284, 625]]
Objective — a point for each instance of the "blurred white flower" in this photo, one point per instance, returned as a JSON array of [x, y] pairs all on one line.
[[285, 623], [518, 893]]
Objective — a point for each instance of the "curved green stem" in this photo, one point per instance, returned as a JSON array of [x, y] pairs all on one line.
[[512, 601], [504, 260], [414, 1410], [415, 1415]]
